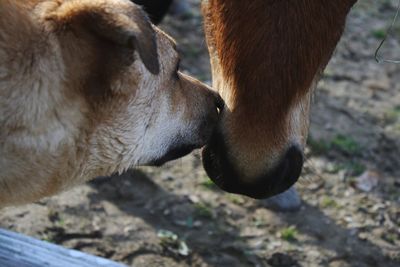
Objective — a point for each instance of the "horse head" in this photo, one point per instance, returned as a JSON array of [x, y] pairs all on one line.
[[266, 58]]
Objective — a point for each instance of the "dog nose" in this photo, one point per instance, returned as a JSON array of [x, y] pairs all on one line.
[[219, 102], [210, 120], [276, 180]]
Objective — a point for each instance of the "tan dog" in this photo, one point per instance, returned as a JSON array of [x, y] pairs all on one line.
[[89, 88]]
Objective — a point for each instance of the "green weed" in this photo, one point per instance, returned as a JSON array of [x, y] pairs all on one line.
[[341, 142], [289, 234], [238, 200], [208, 184], [378, 33], [328, 202], [345, 144]]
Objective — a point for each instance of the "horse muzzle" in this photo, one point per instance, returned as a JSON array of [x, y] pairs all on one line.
[[275, 181]]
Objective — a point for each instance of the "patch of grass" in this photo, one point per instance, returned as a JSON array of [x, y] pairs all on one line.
[[318, 147], [236, 199], [346, 144], [289, 233], [208, 184], [378, 33], [203, 210], [328, 202], [341, 142]]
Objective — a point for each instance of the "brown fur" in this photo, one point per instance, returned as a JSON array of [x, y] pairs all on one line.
[[266, 55], [89, 88]]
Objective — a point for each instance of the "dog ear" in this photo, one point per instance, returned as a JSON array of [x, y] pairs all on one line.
[[127, 27]]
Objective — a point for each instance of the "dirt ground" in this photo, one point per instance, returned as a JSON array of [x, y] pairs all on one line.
[[174, 216]]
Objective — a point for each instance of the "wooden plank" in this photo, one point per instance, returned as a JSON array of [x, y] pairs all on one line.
[[17, 250]]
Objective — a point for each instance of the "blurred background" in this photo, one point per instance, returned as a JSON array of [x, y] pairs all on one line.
[[175, 216]]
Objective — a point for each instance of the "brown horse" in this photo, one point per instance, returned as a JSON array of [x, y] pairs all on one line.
[[266, 58]]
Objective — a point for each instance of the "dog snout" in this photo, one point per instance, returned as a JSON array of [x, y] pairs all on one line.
[[201, 115], [208, 105]]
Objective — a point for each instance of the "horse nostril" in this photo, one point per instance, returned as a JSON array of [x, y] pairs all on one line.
[[289, 169]]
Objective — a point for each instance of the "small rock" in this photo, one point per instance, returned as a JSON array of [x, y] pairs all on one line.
[[96, 223], [197, 224], [348, 219], [328, 126], [166, 212], [194, 199], [367, 181], [288, 201], [172, 243], [110, 209], [363, 236]]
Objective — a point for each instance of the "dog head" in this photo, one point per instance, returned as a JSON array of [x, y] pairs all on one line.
[[93, 88]]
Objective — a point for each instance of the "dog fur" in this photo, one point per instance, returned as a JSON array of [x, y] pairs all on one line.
[[89, 88]]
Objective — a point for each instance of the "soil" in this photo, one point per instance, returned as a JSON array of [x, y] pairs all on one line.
[[174, 216]]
